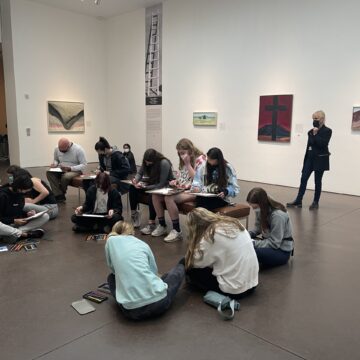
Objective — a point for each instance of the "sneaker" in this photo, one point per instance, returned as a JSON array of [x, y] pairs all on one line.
[[37, 233], [295, 203], [148, 229], [173, 236], [159, 231], [314, 206], [135, 218]]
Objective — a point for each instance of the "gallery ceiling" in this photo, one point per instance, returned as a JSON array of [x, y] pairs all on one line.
[[104, 9]]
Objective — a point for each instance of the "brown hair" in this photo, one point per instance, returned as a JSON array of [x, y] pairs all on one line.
[[194, 152], [266, 204], [202, 224], [103, 182]]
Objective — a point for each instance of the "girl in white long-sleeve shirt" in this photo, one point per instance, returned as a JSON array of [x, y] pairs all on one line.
[[220, 255]]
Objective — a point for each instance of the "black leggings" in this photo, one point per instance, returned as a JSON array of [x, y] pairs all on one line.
[[210, 203], [134, 197], [203, 279]]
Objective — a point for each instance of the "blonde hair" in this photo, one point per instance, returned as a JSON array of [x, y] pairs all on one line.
[[194, 152], [202, 224], [122, 228], [320, 114]]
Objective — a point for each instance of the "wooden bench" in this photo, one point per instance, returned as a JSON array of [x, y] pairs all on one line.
[[238, 211]]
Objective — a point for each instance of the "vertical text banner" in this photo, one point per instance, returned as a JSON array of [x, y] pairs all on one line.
[[153, 80]]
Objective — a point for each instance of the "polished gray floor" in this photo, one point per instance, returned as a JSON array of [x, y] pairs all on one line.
[[305, 310]]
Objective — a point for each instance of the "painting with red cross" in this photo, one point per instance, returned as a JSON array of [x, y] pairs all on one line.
[[275, 118]]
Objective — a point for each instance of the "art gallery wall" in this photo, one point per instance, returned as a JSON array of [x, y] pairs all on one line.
[[57, 55], [126, 85], [222, 55]]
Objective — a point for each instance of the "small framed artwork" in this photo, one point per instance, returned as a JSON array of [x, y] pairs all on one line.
[[65, 116], [205, 118], [355, 125]]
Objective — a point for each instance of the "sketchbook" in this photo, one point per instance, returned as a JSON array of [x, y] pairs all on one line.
[[165, 191]]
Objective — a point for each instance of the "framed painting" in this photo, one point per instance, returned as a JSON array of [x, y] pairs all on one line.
[[355, 124], [205, 118], [65, 116], [275, 118]]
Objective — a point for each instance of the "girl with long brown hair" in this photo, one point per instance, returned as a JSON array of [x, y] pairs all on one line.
[[272, 233], [101, 199], [154, 173], [220, 255], [190, 158], [215, 176]]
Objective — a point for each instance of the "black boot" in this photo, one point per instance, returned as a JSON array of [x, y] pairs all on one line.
[[295, 203], [314, 206]]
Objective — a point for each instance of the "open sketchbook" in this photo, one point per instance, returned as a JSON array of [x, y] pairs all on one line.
[[92, 215], [37, 215], [55, 169], [165, 191], [203, 194]]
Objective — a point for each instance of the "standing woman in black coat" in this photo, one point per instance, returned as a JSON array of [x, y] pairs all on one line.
[[316, 159], [130, 156]]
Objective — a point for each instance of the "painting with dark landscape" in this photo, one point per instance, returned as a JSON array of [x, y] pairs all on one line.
[[275, 118], [355, 125], [64, 116]]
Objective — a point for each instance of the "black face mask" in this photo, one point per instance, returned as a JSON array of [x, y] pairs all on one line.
[[316, 123]]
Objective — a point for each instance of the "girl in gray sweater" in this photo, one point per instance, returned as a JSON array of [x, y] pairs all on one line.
[[272, 232]]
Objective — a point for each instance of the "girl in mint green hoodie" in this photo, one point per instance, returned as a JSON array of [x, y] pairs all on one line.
[[134, 281]]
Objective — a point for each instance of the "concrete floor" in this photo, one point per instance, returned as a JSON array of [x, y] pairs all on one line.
[[305, 310]]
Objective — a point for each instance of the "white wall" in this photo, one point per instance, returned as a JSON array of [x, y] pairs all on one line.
[[222, 55], [58, 55], [126, 84]]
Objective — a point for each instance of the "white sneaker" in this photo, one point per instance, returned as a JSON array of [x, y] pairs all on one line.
[[173, 236], [135, 217], [148, 229], [159, 231]]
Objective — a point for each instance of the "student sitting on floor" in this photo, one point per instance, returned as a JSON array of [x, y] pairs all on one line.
[[134, 281], [12, 212], [220, 254], [40, 197], [101, 199], [154, 173], [215, 176], [190, 159], [275, 244]]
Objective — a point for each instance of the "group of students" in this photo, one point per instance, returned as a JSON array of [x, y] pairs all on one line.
[[221, 254]]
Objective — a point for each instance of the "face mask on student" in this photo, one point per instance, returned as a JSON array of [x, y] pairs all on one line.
[[126, 150], [257, 211], [10, 179]]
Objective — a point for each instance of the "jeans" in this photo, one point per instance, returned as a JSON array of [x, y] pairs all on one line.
[[306, 172], [53, 209], [173, 279], [203, 279], [269, 257]]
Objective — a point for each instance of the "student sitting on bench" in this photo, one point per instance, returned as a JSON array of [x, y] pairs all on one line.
[[272, 234], [220, 254], [101, 199], [154, 173], [190, 158], [215, 176], [12, 215], [134, 281]]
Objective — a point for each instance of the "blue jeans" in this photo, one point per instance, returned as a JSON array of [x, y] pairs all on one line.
[[173, 279], [306, 172], [269, 257]]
